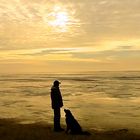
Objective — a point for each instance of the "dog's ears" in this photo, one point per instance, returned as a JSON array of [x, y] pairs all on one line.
[[65, 110]]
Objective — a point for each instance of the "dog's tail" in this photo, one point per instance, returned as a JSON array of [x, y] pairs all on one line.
[[86, 133]]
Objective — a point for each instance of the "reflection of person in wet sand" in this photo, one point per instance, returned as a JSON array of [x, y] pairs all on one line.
[[57, 103]]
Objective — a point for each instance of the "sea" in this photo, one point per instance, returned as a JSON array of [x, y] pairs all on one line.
[[98, 100]]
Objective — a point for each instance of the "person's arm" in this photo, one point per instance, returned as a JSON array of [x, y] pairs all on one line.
[[60, 99]]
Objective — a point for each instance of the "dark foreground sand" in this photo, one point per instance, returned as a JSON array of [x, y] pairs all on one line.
[[10, 129]]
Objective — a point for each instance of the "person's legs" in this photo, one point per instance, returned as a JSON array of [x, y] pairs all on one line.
[[57, 119]]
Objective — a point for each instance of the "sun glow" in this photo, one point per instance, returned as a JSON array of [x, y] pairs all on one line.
[[59, 18]]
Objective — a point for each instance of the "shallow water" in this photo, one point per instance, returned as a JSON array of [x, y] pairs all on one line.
[[99, 100]]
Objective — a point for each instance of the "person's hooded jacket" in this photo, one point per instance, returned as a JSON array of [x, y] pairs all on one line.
[[56, 98]]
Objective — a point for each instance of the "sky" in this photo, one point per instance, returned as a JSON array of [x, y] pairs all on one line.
[[60, 36]]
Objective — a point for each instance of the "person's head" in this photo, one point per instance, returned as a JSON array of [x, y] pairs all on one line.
[[56, 83]]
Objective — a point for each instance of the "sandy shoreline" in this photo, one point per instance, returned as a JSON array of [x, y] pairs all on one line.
[[11, 129]]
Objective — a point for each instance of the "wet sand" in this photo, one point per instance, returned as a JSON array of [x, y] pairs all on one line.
[[12, 129]]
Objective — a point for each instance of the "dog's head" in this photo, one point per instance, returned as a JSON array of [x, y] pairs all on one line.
[[67, 112]]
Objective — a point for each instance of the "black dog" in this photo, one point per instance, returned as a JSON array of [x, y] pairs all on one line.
[[72, 124]]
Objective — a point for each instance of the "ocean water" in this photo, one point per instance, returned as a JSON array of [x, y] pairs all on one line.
[[98, 100]]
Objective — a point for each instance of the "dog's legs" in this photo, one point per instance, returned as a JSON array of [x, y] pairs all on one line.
[[68, 128]]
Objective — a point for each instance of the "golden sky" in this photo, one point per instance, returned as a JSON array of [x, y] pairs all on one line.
[[69, 35]]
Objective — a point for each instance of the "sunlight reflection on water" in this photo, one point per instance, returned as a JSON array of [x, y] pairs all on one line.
[[98, 100]]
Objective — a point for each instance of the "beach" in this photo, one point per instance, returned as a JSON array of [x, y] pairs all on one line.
[[10, 129], [104, 103]]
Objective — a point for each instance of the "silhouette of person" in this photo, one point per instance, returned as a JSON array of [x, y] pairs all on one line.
[[57, 103]]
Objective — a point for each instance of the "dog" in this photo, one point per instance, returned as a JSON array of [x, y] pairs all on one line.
[[72, 124]]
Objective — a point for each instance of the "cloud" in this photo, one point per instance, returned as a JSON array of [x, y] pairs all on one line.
[[95, 18], [125, 47], [49, 51], [24, 25], [120, 53], [102, 30], [109, 55]]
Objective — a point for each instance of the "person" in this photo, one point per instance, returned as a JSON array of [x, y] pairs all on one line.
[[57, 103]]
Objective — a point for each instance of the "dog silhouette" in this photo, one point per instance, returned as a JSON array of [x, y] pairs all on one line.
[[72, 124]]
